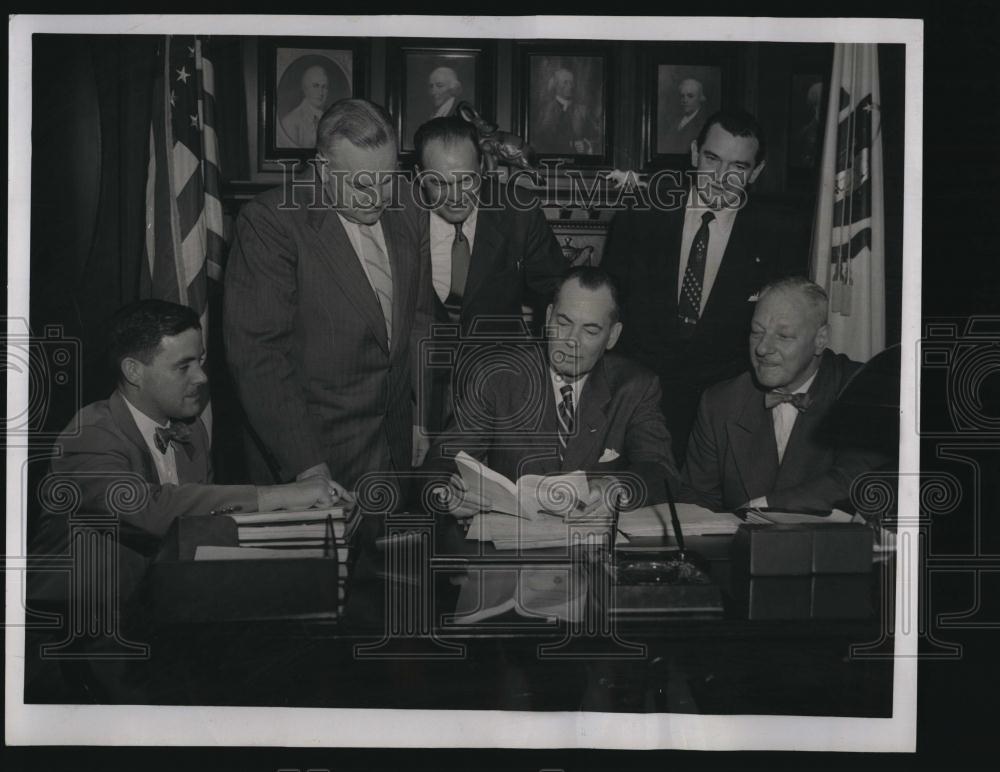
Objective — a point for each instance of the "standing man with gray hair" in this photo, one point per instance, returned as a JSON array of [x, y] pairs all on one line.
[[325, 287], [759, 439]]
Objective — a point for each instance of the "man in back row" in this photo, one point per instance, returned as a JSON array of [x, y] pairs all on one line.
[[324, 291], [689, 275]]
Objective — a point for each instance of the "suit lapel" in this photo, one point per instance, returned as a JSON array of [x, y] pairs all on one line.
[[337, 250], [591, 419], [123, 418], [669, 237], [755, 451], [729, 289], [488, 248]]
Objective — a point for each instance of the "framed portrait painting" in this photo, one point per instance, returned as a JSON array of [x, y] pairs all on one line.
[[299, 78], [684, 85], [564, 100], [429, 78]]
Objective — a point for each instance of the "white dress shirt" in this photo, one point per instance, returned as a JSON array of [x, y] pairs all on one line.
[[783, 416], [353, 230], [165, 463], [442, 237], [719, 230]]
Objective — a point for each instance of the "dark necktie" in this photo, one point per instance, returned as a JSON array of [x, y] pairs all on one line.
[[689, 304], [460, 257], [565, 413], [175, 432], [801, 401]]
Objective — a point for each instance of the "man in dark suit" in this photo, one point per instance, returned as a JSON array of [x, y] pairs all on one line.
[[325, 286], [489, 257], [760, 438], [567, 406], [689, 274], [142, 456]]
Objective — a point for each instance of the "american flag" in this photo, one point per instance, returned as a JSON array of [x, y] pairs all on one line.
[[849, 236], [184, 237]]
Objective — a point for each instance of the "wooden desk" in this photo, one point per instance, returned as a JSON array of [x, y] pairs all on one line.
[[394, 647]]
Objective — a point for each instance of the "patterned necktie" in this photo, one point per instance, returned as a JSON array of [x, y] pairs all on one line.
[[177, 431], [379, 273], [801, 401], [565, 413], [460, 257], [689, 305]]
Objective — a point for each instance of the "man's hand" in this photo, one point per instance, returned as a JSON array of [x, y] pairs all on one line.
[[599, 501], [312, 492], [461, 502], [421, 444]]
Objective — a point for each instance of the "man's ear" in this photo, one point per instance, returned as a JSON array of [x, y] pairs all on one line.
[[822, 338], [616, 331], [131, 369], [694, 153], [756, 172], [548, 315]]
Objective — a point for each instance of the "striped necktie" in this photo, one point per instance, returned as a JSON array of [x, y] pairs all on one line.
[[566, 414], [379, 274]]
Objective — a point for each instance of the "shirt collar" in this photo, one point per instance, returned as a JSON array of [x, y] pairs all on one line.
[[438, 223], [695, 208], [563, 101], [146, 425], [809, 382]]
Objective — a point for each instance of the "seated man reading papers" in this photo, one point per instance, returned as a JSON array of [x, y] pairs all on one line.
[[568, 406], [759, 439]]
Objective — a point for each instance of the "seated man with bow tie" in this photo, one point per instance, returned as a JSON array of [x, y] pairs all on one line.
[[759, 439], [146, 448], [567, 405]]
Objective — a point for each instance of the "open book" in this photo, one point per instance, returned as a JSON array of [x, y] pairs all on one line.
[[533, 495]]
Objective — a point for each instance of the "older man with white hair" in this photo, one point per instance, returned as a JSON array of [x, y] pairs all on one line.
[[760, 438]]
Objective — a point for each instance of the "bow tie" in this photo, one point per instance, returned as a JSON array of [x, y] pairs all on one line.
[[801, 402], [175, 432]]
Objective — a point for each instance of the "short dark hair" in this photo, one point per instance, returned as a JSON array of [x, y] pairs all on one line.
[[739, 123], [137, 329], [592, 278], [448, 130], [362, 123]]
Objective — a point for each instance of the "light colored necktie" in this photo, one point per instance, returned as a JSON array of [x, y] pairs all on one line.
[[379, 273]]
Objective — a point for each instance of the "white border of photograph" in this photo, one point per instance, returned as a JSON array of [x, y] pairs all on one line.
[[213, 726]]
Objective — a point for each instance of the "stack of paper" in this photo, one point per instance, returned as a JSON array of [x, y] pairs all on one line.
[[694, 520], [304, 534]]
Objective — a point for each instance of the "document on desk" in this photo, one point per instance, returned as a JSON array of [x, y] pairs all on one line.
[[534, 496], [694, 520]]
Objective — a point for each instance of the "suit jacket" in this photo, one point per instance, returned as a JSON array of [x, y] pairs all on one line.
[[515, 261], [642, 254], [733, 457], [110, 469], [306, 340], [510, 423]]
